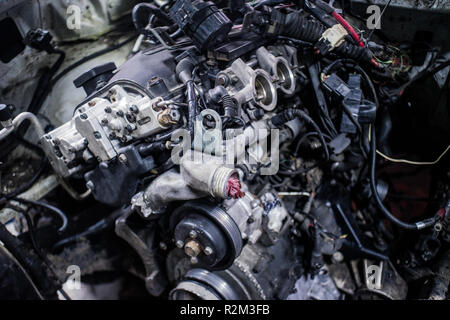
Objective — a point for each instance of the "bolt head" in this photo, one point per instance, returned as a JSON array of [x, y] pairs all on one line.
[[193, 234], [194, 260], [163, 246], [90, 185], [338, 256], [179, 244], [134, 109], [123, 158], [208, 251]]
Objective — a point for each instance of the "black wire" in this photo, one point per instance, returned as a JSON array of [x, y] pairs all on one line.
[[90, 57], [37, 248], [409, 226], [306, 135], [95, 228], [309, 120], [300, 171], [325, 119], [49, 207]]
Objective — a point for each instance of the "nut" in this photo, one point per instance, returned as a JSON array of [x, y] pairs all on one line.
[[123, 158], [192, 248]]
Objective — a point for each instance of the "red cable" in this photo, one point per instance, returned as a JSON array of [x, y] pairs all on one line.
[[328, 9], [353, 33], [348, 27]]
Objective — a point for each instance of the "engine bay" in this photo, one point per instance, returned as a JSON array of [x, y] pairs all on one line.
[[226, 150]]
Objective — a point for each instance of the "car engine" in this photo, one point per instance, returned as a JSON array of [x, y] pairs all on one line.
[[261, 150]]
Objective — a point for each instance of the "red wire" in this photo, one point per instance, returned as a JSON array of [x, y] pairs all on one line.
[[348, 27], [327, 8], [352, 32]]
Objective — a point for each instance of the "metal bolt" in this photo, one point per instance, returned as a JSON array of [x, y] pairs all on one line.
[[208, 251], [221, 79], [179, 244], [123, 158], [104, 121], [91, 103], [97, 135], [163, 246], [83, 116], [337, 257], [437, 227], [194, 260], [108, 109], [130, 117], [192, 248], [193, 234], [90, 185], [134, 109]]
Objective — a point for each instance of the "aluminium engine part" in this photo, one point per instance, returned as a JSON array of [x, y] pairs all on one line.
[[247, 213], [200, 175], [155, 280], [247, 84], [236, 149], [279, 68], [102, 125]]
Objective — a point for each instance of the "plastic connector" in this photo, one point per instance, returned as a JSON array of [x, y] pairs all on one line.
[[331, 38], [336, 85], [362, 110], [40, 40], [277, 21]]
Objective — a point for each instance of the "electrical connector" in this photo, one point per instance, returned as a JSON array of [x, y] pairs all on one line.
[[39, 39], [331, 38], [362, 110]]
